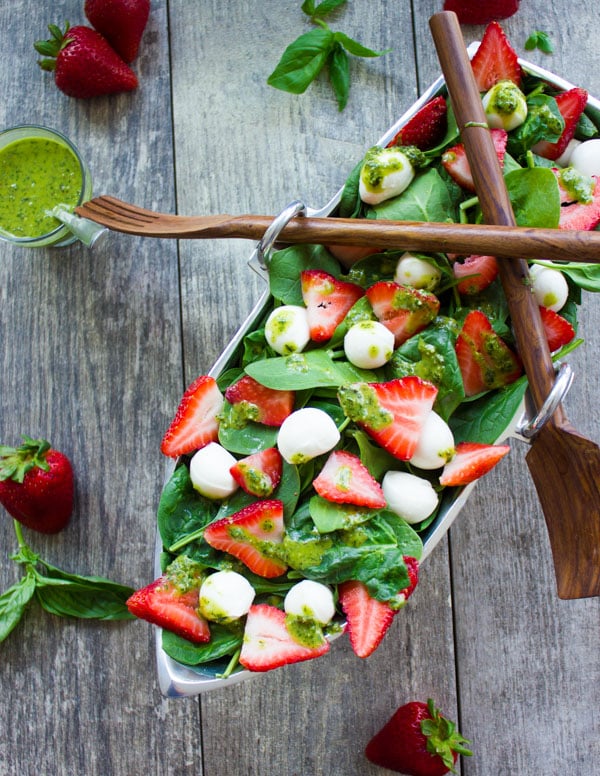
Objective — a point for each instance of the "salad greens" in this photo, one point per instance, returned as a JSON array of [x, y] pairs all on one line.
[[326, 541]]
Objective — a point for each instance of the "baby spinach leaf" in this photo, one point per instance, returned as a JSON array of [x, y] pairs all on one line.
[[544, 122], [312, 369], [350, 202], [182, 510], [249, 439], [329, 516], [286, 265], [426, 199], [534, 196], [485, 419], [223, 641]]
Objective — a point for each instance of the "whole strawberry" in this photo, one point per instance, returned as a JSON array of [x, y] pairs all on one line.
[[481, 11], [122, 22], [84, 63], [36, 485], [417, 741]]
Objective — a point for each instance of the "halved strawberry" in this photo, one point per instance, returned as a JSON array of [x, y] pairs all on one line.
[[247, 535], [402, 309], [471, 461], [256, 402], [268, 643], [368, 619], [260, 473], [495, 59], [195, 423], [582, 216], [412, 566], [346, 480], [478, 12], [558, 330], [477, 273], [392, 413], [327, 301], [485, 360], [456, 164], [426, 128], [171, 601], [571, 105]]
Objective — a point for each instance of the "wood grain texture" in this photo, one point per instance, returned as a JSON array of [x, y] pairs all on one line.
[[98, 346]]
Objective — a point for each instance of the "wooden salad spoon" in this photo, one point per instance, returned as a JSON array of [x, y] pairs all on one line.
[[564, 465], [465, 239]]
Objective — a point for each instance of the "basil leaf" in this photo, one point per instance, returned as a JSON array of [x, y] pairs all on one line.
[[322, 9], [13, 603], [302, 61], [355, 48], [339, 75]]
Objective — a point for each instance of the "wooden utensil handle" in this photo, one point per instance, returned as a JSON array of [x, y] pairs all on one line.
[[493, 199]]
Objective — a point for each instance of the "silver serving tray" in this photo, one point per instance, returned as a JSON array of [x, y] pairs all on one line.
[[177, 680]]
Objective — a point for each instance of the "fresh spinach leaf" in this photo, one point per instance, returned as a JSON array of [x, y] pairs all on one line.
[[311, 369], [426, 199], [286, 265], [535, 197], [329, 516], [223, 642]]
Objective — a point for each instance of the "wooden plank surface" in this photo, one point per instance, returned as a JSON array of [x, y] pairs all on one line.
[[98, 346]]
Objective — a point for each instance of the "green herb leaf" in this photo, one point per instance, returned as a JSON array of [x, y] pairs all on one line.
[[322, 9], [540, 40], [357, 49], [339, 75], [13, 603], [302, 61]]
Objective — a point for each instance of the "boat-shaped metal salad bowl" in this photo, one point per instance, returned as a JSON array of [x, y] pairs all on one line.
[[177, 679]]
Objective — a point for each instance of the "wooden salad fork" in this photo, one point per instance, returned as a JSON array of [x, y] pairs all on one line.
[[504, 241], [564, 465]]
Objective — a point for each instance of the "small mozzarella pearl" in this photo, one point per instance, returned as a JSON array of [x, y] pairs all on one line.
[[412, 498], [549, 287], [394, 173], [436, 444], [416, 272], [368, 344], [225, 596], [586, 157], [310, 599], [286, 329], [209, 471], [305, 434], [505, 106], [564, 160]]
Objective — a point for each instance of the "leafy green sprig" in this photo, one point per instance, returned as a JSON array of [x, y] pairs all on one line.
[[59, 592], [318, 50], [540, 40]]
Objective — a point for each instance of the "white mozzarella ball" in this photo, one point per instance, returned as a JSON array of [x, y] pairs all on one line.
[[412, 498], [286, 329], [310, 599], [505, 106], [564, 160], [225, 596], [416, 272], [586, 157], [305, 434], [209, 471], [436, 444], [368, 344], [549, 287], [386, 173]]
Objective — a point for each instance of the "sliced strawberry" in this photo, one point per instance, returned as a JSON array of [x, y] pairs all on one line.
[[327, 301], [346, 480], [195, 423], [426, 128], [268, 644], [392, 413], [171, 601], [558, 330], [402, 309], [582, 216], [571, 105], [368, 619], [456, 164], [495, 59], [478, 12], [485, 360], [247, 535], [260, 473], [471, 461], [412, 566], [477, 273], [259, 403]]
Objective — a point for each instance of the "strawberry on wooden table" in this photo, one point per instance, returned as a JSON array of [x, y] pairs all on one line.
[[481, 11], [36, 485], [259, 473], [256, 402], [403, 310], [249, 533], [345, 479], [417, 741], [196, 420], [327, 300], [471, 461], [84, 63], [122, 22], [268, 643], [171, 601], [426, 128], [393, 413], [495, 59]]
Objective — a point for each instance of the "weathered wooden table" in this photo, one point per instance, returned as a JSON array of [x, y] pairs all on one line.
[[97, 346]]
